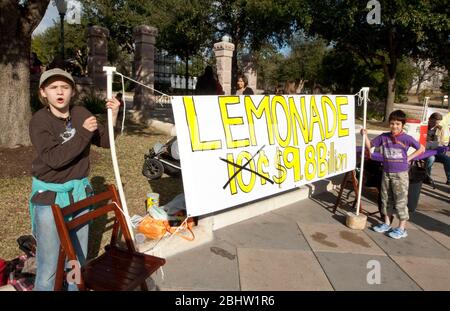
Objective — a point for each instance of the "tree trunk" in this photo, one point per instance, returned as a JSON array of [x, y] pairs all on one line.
[[390, 73], [17, 22], [15, 111], [390, 96], [419, 84]]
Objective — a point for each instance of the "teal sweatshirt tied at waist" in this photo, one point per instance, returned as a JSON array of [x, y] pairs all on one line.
[[77, 187]]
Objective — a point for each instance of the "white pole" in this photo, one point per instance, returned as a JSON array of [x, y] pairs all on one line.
[[425, 109], [365, 91], [109, 79]]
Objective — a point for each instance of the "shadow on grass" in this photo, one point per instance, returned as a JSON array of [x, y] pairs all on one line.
[[167, 187], [99, 225]]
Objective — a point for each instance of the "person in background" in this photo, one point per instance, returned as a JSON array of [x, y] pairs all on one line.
[[207, 83], [395, 179], [242, 86], [35, 64], [219, 88], [433, 141]]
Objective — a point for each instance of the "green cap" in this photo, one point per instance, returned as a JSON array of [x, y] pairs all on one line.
[[55, 72]]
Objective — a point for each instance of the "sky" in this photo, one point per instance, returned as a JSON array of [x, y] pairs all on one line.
[[51, 16]]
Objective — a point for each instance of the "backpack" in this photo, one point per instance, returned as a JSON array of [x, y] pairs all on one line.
[[21, 271]]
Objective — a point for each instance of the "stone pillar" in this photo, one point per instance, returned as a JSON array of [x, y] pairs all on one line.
[[224, 55], [144, 66], [97, 55]]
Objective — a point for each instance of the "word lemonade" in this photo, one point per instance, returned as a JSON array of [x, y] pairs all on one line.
[[302, 129]]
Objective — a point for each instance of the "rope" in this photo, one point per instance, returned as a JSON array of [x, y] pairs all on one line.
[[146, 86], [157, 250], [124, 105], [182, 226]]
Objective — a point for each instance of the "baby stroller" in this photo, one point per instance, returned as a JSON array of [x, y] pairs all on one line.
[[162, 159]]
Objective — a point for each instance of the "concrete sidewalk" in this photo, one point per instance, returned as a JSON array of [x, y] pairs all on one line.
[[304, 246]]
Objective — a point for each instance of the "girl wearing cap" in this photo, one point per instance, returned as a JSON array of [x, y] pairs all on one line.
[[62, 135]]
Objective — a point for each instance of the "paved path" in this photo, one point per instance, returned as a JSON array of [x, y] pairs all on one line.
[[305, 247]]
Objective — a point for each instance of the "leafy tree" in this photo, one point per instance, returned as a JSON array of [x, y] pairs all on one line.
[[119, 17], [436, 32], [445, 86], [18, 19], [424, 70], [253, 23], [46, 44], [305, 60], [406, 28], [184, 27], [268, 64]]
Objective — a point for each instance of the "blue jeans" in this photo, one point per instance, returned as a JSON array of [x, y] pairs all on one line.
[[47, 251], [442, 158]]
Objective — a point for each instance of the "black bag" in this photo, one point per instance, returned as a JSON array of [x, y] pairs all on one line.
[[27, 244], [417, 174]]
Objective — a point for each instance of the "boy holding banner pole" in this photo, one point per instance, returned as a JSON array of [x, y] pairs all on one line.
[[395, 180]]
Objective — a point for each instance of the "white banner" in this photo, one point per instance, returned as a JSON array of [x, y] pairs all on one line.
[[237, 149]]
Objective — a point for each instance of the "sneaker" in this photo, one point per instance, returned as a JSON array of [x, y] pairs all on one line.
[[398, 233], [381, 228]]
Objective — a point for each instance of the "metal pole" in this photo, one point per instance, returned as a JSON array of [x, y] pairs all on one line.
[[61, 15], [365, 91]]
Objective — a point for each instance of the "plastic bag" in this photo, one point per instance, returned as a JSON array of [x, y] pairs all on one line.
[[155, 229], [152, 228], [176, 210]]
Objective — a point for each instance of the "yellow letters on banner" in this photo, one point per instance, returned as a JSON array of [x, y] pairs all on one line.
[[278, 179], [301, 119], [319, 162], [326, 101], [322, 166], [293, 163], [228, 121], [251, 110], [298, 121], [314, 118], [280, 100], [310, 156], [263, 160], [300, 126], [194, 132], [244, 157], [341, 101], [231, 171]]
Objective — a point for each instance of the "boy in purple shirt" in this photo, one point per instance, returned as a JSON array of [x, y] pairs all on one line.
[[395, 181]]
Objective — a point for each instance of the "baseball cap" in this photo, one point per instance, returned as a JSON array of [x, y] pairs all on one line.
[[55, 72]]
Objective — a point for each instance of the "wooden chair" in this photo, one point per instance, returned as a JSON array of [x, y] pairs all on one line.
[[115, 270], [371, 183]]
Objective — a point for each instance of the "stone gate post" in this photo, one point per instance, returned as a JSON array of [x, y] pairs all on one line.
[[224, 55], [144, 66]]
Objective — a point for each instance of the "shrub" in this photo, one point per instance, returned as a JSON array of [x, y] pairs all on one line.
[[94, 104], [35, 103]]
